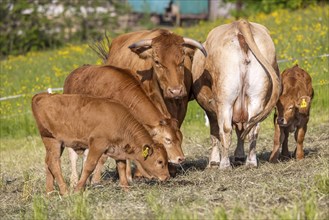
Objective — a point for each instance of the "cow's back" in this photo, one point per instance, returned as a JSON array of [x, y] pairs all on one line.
[[74, 118]]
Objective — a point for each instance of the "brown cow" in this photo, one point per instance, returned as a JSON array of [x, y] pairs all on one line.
[[119, 85], [237, 85], [81, 122], [161, 61], [292, 112]]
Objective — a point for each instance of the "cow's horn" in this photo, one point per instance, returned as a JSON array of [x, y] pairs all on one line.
[[141, 43], [196, 44]]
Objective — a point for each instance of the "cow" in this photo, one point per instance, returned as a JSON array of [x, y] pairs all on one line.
[[119, 85], [80, 122], [292, 112], [161, 60], [237, 85]]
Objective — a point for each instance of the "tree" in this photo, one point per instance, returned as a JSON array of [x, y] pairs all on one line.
[[27, 25]]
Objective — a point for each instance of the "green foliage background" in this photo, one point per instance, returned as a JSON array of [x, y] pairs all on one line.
[[29, 25]]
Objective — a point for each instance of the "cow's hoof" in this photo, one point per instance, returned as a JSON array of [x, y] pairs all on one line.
[[213, 165], [238, 161], [273, 160], [251, 163], [225, 164], [97, 185]]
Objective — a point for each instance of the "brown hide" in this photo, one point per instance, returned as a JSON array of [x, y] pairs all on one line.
[[163, 67], [119, 85], [81, 122], [292, 111]]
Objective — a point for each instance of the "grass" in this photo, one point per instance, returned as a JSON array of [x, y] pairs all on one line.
[[287, 190]]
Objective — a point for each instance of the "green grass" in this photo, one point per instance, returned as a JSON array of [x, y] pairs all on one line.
[[287, 190]]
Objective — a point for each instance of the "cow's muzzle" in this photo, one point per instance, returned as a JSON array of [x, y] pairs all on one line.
[[177, 92]]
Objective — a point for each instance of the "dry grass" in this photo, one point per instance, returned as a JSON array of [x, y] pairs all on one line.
[[287, 190]]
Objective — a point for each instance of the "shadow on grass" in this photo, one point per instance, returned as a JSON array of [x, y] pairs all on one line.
[[193, 165]]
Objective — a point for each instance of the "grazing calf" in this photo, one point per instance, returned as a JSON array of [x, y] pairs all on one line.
[[104, 127], [119, 85], [292, 112]]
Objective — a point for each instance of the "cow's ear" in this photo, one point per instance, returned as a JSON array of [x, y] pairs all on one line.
[[189, 51], [151, 129], [147, 151], [303, 104], [128, 149], [142, 52], [142, 48]]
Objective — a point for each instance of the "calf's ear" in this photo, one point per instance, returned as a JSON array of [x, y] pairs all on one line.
[[147, 151], [303, 104]]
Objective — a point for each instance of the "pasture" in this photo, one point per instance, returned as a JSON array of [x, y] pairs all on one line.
[[287, 190]]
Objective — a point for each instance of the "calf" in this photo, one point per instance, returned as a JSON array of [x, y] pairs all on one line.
[[292, 112], [119, 85], [81, 122]]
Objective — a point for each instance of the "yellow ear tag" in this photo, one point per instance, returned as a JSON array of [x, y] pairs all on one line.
[[303, 104], [145, 152]]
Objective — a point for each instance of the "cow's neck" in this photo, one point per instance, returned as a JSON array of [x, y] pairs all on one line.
[[153, 90]]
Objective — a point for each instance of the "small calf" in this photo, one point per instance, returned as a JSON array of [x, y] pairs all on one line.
[[292, 111], [81, 122]]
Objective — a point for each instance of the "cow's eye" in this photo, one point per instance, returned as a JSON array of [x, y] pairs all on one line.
[[160, 162], [168, 140], [157, 63]]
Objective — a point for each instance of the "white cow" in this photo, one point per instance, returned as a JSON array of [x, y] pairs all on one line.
[[238, 85]]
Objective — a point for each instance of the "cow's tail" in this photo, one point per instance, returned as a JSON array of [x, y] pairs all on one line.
[[101, 48], [244, 28]]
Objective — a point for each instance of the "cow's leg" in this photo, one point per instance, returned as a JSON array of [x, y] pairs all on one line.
[[74, 173], [54, 150], [285, 151], [121, 166], [299, 137], [239, 154], [225, 134], [278, 139], [49, 176], [129, 171], [97, 147], [214, 159], [252, 157], [98, 170]]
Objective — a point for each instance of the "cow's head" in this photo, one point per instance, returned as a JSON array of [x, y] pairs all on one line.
[[153, 162], [168, 134], [288, 108], [167, 53]]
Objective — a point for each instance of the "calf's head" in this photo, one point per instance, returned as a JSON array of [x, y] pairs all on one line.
[[289, 108], [168, 134], [153, 162], [167, 53]]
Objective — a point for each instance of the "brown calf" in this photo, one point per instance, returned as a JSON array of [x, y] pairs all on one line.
[[81, 122], [292, 112]]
